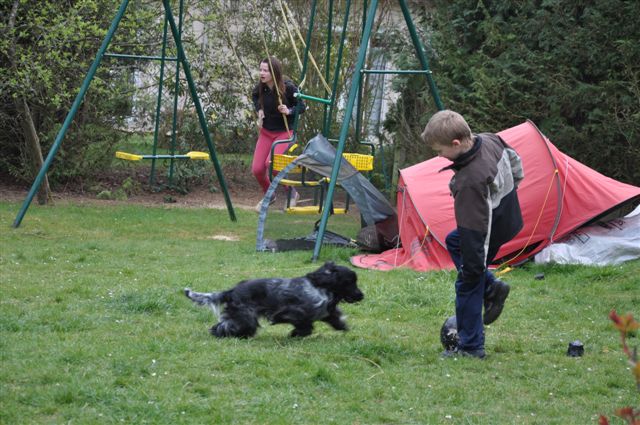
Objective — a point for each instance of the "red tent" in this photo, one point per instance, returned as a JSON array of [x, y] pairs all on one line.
[[557, 195]]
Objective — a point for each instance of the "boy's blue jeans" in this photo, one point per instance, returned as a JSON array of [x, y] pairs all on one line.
[[470, 297]]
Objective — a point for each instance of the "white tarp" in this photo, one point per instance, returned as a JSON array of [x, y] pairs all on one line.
[[600, 244]]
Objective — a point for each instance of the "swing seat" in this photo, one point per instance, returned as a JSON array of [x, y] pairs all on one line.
[[189, 155], [311, 210], [198, 155], [280, 161], [305, 183], [359, 161]]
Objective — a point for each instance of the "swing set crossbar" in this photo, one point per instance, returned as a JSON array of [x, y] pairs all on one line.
[[142, 57], [312, 98], [135, 157], [396, 71]]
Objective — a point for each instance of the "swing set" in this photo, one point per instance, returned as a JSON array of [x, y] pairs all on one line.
[[327, 100], [181, 60], [354, 100], [280, 161]]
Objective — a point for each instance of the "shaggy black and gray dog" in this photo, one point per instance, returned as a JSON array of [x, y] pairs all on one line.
[[299, 301]]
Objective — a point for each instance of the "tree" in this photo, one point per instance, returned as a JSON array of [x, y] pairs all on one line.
[[56, 41], [236, 34], [24, 113], [572, 68], [45, 51]]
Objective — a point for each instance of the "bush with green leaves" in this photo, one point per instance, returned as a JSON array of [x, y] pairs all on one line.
[[48, 46], [627, 326], [46, 49], [572, 68]]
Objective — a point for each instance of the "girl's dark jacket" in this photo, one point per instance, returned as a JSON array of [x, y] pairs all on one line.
[[273, 120], [486, 203]]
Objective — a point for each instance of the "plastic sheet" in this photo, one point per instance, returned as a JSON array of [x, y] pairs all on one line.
[[604, 243]]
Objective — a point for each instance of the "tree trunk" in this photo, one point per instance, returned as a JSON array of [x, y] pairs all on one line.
[[32, 142], [399, 159]]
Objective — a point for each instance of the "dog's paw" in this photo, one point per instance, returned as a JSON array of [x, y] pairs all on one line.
[[300, 332], [214, 330]]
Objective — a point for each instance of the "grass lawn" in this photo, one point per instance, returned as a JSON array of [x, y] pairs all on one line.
[[94, 329]]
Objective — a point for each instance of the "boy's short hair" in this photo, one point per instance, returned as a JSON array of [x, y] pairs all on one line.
[[444, 127]]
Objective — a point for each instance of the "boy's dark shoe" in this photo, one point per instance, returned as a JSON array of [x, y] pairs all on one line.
[[494, 301], [460, 352]]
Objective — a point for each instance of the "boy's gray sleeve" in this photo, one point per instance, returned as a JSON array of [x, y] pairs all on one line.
[[516, 166]]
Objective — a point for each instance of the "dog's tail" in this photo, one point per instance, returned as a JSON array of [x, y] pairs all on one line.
[[211, 299]]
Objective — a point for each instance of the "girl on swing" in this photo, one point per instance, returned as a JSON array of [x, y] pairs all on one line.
[[274, 101]]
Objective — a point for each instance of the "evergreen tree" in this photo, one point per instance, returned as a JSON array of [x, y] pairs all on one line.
[[571, 67]]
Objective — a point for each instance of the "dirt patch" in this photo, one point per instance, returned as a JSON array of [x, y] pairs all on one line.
[[243, 191], [228, 238], [127, 186]]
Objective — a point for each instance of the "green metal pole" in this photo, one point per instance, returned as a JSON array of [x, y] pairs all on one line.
[[417, 44], [327, 63], [71, 114], [396, 71], [358, 124], [353, 93], [156, 129], [196, 102], [315, 99], [143, 57], [176, 90], [336, 74], [305, 61]]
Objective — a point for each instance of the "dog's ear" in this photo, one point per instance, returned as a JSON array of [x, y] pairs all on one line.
[[324, 276], [329, 267]]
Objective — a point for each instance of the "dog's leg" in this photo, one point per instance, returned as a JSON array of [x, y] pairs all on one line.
[[287, 314], [228, 328], [238, 324], [301, 329], [336, 320]]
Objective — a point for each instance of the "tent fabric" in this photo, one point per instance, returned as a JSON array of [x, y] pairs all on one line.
[[558, 195], [604, 243], [319, 156]]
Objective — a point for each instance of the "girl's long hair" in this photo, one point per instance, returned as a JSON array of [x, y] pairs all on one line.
[[275, 68]]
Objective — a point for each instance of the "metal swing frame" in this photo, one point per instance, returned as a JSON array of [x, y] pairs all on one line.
[[181, 60], [355, 92]]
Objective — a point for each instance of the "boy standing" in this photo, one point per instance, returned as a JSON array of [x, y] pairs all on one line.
[[486, 174]]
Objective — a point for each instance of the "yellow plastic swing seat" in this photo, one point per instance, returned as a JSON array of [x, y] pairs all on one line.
[[281, 161], [311, 209], [128, 156], [198, 155], [359, 161]]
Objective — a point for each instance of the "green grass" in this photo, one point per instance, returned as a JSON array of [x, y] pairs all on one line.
[[95, 329]]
